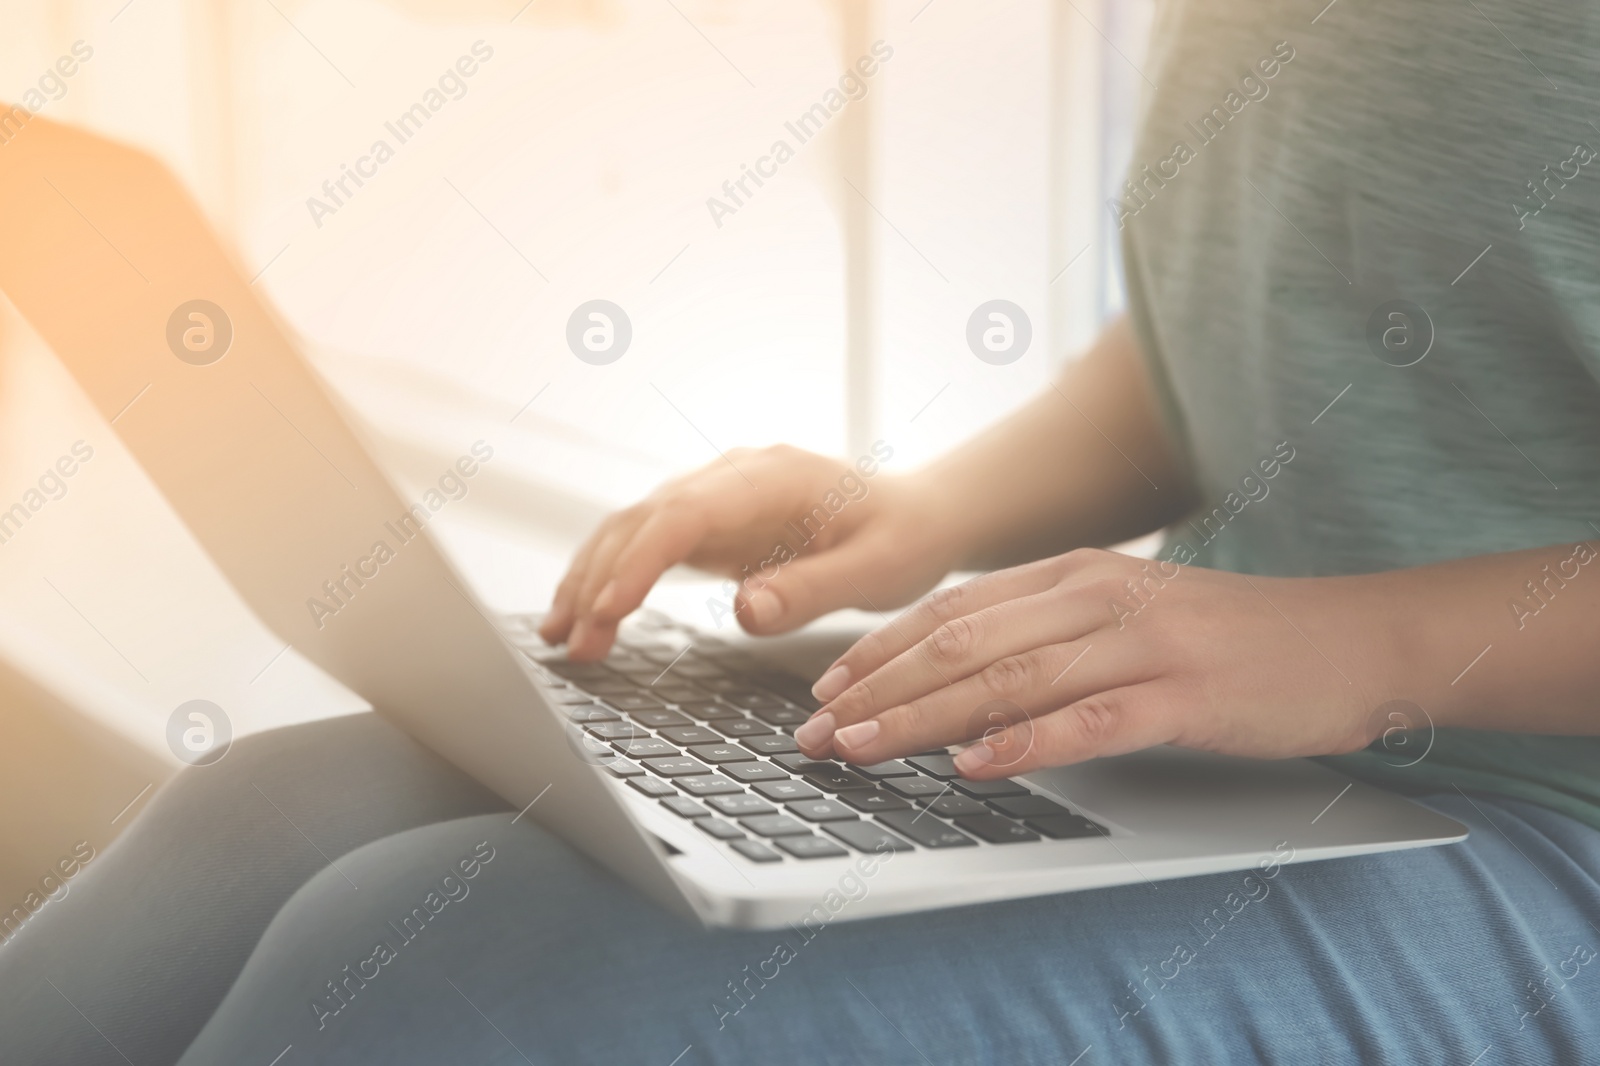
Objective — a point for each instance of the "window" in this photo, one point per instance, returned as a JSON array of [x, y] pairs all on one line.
[[429, 231]]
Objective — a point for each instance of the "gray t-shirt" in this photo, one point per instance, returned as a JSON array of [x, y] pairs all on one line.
[[1366, 237]]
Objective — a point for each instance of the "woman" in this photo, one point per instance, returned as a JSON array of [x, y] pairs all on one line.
[[1357, 385]]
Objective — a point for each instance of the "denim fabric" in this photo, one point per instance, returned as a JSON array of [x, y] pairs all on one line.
[[1481, 952]]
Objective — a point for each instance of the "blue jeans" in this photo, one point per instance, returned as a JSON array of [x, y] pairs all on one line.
[[1482, 952]]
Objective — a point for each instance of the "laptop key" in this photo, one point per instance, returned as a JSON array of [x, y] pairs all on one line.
[[777, 744], [879, 770], [644, 748], [616, 730], [621, 767], [784, 715], [1065, 826], [836, 779], [653, 786], [1029, 806], [624, 663], [716, 827], [810, 847], [718, 682], [996, 830], [990, 789], [800, 764], [654, 650], [706, 785], [748, 698], [632, 701], [867, 837], [804, 700], [787, 790], [720, 753], [752, 771], [774, 825], [592, 749], [752, 699], [691, 734], [755, 852], [741, 805], [682, 806], [821, 810], [591, 712], [950, 805], [916, 786], [677, 766], [873, 800], [697, 669], [641, 678], [791, 687], [925, 829], [611, 688], [583, 671], [740, 727], [658, 718], [676, 692], [708, 710], [941, 766]]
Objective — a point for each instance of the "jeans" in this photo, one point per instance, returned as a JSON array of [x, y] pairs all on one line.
[[483, 940]]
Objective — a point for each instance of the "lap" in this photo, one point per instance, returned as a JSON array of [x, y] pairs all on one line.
[[1418, 956], [129, 964]]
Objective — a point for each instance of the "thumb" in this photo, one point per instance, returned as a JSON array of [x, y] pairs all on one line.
[[856, 573]]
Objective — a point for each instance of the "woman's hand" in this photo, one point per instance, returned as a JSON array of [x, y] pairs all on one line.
[[1094, 653], [801, 534]]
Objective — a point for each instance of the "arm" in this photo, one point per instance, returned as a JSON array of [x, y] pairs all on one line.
[[1045, 479], [1086, 463], [1533, 615]]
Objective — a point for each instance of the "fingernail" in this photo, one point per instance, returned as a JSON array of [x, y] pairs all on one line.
[[816, 731], [762, 607], [830, 684], [975, 758], [854, 736]]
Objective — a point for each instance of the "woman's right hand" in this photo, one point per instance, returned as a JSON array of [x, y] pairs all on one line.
[[801, 535]]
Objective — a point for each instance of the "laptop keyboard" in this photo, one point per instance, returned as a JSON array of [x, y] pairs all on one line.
[[706, 730]]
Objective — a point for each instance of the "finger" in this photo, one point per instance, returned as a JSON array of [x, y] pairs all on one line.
[[558, 623], [932, 611], [1033, 683], [842, 576], [963, 646], [685, 516], [662, 541], [1112, 722], [591, 638]]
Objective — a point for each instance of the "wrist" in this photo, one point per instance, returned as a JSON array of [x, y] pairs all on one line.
[[1417, 639], [938, 518]]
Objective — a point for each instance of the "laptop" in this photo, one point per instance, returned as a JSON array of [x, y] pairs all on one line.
[[670, 763]]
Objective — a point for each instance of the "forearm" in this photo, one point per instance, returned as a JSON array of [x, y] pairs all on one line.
[[1508, 641], [1088, 462]]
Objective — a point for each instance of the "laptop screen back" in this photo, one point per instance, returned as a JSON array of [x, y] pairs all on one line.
[[114, 266]]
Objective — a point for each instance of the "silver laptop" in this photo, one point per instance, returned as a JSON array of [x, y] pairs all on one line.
[[671, 763]]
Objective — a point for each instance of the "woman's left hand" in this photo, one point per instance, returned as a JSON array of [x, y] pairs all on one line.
[[1093, 653]]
